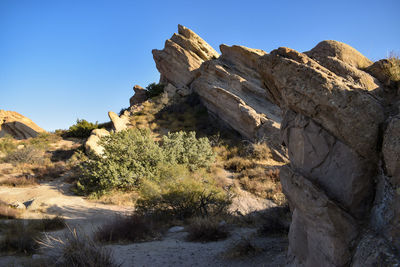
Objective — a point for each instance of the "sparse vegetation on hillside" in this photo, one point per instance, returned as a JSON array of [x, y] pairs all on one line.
[[154, 89], [206, 230], [81, 129], [392, 70]]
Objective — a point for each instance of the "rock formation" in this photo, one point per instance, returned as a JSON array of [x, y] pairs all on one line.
[[18, 126], [92, 144], [139, 97], [119, 123], [340, 123]]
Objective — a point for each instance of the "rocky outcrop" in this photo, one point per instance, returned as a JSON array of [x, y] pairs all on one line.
[[18, 126], [181, 56], [341, 128], [119, 123], [139, 97], [231, 88], [92, 144]]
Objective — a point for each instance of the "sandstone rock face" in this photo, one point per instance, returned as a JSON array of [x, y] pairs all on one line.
[[91, 145], [343, 181], [120, 123], [231, 88], [181, 56], [139, 97], [18, 126]]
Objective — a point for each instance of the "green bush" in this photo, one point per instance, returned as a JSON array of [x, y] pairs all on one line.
[[182, 198], [132, 156], [81, 129], [7, 144], [29, 154], [185, 148], [129, 157], [154, 89]]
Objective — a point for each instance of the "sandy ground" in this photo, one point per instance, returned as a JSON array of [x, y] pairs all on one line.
[[55, 198]]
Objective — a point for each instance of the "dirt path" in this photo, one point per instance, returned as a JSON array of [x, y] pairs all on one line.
[[55, 198]]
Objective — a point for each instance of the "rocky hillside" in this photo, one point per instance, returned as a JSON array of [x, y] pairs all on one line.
[[18, 126], [337, 114]]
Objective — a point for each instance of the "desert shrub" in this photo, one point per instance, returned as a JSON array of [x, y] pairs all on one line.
[[182, 198], [18, 181], [129, 157], [81, 129], [7, 144], [43, 140], [19, 237], [238, 164], [206, 230], [48, 224], [392, 69], [134, 228], [185, 148], [132, 156], [6, 212], [154, 89], [79, 250], [29, 154]]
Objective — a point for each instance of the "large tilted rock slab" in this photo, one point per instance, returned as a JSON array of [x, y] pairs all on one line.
[[345, 177], [92, 144], [181, 56], [17, 125], [321, 234], [343, 108], [231, 88]]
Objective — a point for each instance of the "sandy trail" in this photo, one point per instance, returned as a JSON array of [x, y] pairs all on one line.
[[55, 198]]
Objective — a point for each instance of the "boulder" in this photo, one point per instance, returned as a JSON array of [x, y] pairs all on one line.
[[139, 97], [341, 107], [18, 126], [91, 145], [181, 56], [120, 123]]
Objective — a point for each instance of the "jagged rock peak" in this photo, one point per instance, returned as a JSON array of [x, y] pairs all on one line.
[[17, 125], [181, 56]]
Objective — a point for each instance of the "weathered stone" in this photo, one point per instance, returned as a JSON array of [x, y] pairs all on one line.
[[119, 123], [321, 233], [139, 97], [386, 211], [391, 149], [345, 62], [18, 126], [373, 251], [386, 70], [181, 56], [231, 88], [344, 109], [91, 145], [341, 51], [343, 175]]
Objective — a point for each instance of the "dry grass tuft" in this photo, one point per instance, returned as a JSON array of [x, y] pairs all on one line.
[[18, 181], [6, 212], [241, 249], [78, 250], [134, 228], [206, 230]]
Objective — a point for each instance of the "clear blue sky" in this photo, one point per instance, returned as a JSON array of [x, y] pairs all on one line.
[[63, 60]]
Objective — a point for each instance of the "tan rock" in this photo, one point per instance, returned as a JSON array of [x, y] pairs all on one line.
[[18, 126], [231, 88], [139, 97], [346, 110], [91, 145], [342, 52], [321, 234], [181, 56], [119, 123], [344, 176], [391, 149]]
